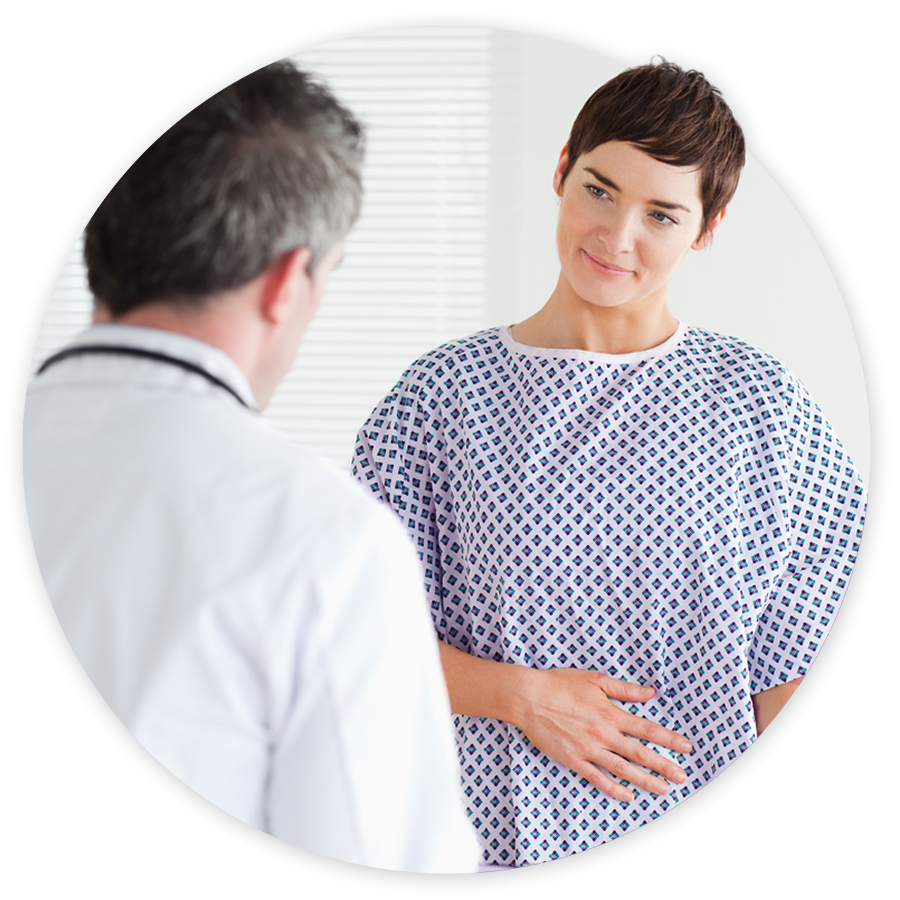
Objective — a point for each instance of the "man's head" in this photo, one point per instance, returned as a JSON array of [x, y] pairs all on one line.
[[267, 165], [673, 115]]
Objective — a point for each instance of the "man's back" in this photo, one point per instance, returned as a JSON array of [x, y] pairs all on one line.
[[244, 610]]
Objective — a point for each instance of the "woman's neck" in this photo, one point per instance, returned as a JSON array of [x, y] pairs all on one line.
[[566, 322]]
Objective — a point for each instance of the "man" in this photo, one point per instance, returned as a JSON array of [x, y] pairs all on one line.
[[246, 611]]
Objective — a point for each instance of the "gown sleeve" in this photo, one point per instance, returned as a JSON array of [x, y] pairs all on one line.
[[393, 457], [826, 502]]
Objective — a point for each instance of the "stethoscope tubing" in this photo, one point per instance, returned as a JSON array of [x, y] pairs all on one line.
[[120, 350]]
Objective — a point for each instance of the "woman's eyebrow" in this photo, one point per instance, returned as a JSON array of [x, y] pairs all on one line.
[[664, 204], [603, 179]]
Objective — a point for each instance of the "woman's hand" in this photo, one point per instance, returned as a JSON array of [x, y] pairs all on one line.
[[569, 715]]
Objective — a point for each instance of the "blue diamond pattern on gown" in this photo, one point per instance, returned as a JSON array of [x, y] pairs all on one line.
[[684, 517]]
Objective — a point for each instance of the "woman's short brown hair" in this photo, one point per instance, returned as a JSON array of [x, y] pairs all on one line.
[[675, 116]]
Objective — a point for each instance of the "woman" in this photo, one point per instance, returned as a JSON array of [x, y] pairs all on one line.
[[635, 533]]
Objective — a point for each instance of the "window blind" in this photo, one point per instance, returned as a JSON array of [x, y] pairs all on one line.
[[415, 269]]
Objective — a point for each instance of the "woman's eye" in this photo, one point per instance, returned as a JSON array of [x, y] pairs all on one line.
[[662, 218], [596, 191]]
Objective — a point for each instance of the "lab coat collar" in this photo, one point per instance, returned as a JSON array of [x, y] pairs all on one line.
[[211, 359]]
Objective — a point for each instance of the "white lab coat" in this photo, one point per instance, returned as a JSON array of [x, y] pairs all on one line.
[[253, 618]]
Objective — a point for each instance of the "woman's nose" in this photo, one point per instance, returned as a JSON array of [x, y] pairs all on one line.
[[618, 233]]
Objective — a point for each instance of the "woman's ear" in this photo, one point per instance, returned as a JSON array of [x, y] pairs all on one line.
[[560, 169], [705, 239]]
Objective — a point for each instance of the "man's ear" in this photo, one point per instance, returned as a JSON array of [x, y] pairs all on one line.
[[560, 169], [286, 282], [705, 239]]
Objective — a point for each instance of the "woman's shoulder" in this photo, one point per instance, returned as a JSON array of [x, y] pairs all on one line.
[[440, 369], [731, 360], [473, 348]]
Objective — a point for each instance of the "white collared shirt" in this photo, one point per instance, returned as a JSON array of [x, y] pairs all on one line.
[[254, 619]]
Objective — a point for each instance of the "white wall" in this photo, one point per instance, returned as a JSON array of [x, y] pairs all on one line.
[[764, 279]]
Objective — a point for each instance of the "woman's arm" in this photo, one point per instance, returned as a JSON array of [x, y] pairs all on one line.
[[568, 715], [767, 704]]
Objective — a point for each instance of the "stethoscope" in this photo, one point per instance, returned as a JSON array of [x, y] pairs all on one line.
[[118, 350]]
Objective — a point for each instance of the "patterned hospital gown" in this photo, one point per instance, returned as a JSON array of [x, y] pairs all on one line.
[[683, 517]]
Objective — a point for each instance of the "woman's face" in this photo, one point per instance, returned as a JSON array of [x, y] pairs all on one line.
[[626, 220]]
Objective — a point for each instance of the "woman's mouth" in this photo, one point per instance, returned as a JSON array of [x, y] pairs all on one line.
[[605, 268]]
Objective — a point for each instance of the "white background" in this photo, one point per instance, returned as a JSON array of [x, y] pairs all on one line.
[[764, 279]]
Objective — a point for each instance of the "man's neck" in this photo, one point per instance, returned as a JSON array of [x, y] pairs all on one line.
[[225, 322]]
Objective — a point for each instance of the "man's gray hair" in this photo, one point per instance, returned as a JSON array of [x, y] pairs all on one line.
[[269, 164]]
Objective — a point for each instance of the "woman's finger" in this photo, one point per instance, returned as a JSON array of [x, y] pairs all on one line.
[[600, 780], [652, 731], [621, 769], [643, 756], [625, 690], [640, 727]]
